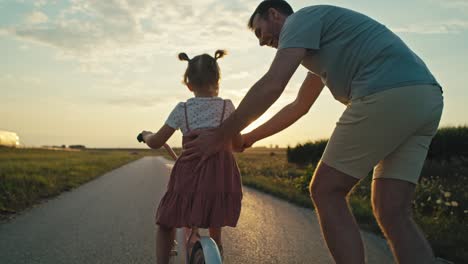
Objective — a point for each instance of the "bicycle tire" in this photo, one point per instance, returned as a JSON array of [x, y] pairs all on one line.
[[197, 256]]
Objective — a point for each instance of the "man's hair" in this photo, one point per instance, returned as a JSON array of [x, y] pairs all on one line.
[[202, 70], [262, 9]]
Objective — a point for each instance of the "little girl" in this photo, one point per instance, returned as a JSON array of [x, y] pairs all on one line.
[[211, 196]]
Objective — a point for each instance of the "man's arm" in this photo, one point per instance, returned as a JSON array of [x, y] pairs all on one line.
[[308, 93], [259, 98], [264, 93]]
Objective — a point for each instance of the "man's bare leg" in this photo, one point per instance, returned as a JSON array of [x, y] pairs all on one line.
[[391, 202], [329, 188]]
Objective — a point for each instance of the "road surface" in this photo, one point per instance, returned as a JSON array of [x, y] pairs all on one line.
[[111, 220]]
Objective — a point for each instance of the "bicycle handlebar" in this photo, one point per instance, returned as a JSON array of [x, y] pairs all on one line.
[[171, 151]]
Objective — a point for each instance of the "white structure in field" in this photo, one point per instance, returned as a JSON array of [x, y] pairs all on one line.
[[9, 139]]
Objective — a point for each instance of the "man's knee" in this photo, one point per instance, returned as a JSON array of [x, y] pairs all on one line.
[[329, 183]]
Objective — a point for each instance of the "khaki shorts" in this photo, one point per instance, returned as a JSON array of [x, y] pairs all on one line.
[[389, 131]]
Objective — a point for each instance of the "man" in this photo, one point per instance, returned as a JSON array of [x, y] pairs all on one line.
[[394, 105]]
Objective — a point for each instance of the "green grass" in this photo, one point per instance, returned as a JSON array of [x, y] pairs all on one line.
[[29, 175], [279, 188], [267, 170]]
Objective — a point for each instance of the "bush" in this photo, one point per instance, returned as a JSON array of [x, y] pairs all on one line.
[[448, 143], [302, 182], [309, 153]]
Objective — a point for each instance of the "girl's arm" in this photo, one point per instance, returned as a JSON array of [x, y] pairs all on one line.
[[157, 140], [308, 93]]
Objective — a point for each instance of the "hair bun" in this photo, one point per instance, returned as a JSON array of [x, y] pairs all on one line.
[[183, 57], [220, 54]]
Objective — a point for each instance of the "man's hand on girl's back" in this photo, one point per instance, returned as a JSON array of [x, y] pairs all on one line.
[[203, 146]]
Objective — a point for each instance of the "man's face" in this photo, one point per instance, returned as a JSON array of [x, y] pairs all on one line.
[[266, 30]]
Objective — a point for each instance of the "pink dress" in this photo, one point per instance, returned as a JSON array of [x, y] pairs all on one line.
[[210, 197]]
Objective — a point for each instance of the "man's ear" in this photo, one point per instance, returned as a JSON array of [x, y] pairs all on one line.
[[189, 86], [273, 13]]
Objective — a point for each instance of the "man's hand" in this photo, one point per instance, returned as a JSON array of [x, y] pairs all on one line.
[[206, 144], [238, 149], [248, 140]]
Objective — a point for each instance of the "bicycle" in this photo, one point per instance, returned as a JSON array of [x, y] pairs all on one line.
[[198, 249]]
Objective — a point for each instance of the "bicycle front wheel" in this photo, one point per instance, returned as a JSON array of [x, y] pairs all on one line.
[[205, 251], [197, 256]]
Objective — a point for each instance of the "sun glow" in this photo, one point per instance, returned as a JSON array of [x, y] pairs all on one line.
[[262, 119]]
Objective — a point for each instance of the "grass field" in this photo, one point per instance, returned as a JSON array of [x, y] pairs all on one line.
[[28, 176]]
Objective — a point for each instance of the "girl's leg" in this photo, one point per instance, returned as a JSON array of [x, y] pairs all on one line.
[[187, 232], [164, 243], [215, 234]]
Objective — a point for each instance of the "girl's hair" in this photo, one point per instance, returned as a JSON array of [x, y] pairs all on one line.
[[203, 70]]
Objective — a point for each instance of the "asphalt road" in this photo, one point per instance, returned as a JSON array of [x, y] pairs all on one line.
[[111, 220]]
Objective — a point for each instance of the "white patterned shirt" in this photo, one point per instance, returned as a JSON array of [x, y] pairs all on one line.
[[202, 112]]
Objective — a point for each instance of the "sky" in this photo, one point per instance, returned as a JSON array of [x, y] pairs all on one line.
[[96, 73]]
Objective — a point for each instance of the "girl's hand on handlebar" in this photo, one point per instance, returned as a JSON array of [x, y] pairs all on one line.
[[146, 135]]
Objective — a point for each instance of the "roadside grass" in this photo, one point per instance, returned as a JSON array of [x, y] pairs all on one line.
[[28, 176], [279, 188]]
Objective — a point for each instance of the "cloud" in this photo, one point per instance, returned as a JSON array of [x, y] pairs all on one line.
[[144, 100], [122, 92], [237, 93], [65, 37], [6, 77], [36, 17], [102, 33], [236, 76], [39, 3], [17, 81], [448, 27], [453, 3]]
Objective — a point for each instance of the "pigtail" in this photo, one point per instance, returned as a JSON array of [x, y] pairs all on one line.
[[202, 70], [183, 57], [220, 54]]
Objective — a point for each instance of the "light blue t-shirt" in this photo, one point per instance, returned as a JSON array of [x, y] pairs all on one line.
[[353, 54]]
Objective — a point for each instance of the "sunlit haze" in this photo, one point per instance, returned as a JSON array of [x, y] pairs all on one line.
[[96, 73]]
